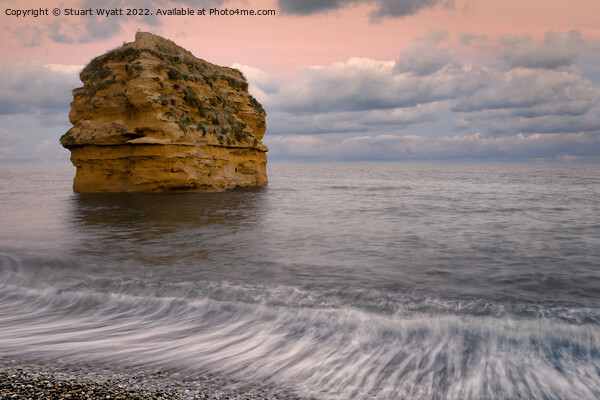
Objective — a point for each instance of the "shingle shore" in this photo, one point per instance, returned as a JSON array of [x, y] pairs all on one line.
[[22, 385], [18, 383]]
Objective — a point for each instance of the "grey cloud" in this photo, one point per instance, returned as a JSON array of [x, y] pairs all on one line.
[[363, 95], [357, 122], [315, 104], [99, 30], [101, 27], [434, 36], [355, 110], [546, 124], [525, 112], [35, 88], [34, 104], [8, 138], [96, 28], [30, 36], [559, 49], [309, 7], [468, 38], [402, 8], [403, 117], [422, 60], [54, 33], [534, 101], [551, 148], [345, 148], [467, 8], [383, 8], [364, 84], [530, 93], [516, 148]]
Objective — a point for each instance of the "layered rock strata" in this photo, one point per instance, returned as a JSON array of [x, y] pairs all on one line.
[[151, 117]]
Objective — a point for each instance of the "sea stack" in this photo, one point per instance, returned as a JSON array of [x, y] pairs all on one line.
[[151, 117]]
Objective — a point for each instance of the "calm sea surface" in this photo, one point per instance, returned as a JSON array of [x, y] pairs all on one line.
[[375, 281]]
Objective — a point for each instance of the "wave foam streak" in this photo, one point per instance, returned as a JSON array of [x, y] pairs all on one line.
[[334, 351]]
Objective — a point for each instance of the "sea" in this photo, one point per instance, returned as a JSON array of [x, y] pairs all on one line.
[[334, 281]]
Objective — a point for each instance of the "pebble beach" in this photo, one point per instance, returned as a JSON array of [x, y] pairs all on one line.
[[20, 380], [23, 385]]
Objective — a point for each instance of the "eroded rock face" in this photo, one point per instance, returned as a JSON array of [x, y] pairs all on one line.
[[151, 117]]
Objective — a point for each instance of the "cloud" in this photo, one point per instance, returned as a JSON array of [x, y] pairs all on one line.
[[552, 147], [35, 88], [559, 49], [576, 147], [100, 27], [340, 148], [310, 7], [530, 93], [49, 150], [365, 109], [466, 38], [29, 36], [402, 8], [382, 9], [55, 32], [261, 83], [366, 95], [363, 84], [508, 124], [8, 140], [69, 30], [535, 96], [386, 147], [434, 37], [354, 122], [34, 109], [534, 101], [422, 60], [66, 69]]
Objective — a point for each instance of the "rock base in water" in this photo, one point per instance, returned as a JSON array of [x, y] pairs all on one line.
[[151, 168]]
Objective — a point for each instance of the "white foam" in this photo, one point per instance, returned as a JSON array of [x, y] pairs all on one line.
[[335, 352]]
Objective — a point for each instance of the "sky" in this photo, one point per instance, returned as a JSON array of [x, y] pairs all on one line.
[[459, 81]]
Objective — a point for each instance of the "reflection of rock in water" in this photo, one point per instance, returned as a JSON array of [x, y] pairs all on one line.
[[164, 228], [151, 117]]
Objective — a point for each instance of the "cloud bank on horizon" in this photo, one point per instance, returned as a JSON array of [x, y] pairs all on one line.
[[452, 97]]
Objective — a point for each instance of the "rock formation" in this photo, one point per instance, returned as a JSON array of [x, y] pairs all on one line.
[[151, 117]]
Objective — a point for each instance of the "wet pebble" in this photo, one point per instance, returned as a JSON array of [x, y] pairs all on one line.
[[28, 384]]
